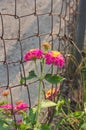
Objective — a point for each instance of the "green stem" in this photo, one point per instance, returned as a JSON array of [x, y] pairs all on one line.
[[36, 67], [38, 109], [42, 69], [39, 89]]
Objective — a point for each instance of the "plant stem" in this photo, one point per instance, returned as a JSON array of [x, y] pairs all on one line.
[[42, 67], [38, 109], [39, 89], [36, 67]]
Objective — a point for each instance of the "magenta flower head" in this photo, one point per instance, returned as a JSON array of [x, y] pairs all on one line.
[[33, 54], [6, 106], [19, 121], [22, 106], [55, 58]]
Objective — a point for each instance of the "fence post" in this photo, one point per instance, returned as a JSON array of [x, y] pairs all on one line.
[[79, 41], [80, 32]]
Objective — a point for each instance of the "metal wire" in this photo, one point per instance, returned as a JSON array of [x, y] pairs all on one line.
[[67, 16]]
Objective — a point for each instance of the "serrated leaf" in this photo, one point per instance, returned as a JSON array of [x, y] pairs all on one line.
[[47, 103], [31, 75], [53, 78]]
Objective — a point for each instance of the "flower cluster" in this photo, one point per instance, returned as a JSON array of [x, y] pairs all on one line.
[[18, 109], [33, 54], [51, 93], [52, 57], [20, 106], [55, 58], [6, 106]]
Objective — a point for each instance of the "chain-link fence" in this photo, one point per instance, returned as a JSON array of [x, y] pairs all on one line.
[[25, 25]]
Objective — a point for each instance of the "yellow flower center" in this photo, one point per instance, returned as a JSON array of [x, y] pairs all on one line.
[[55, 53], [50, 92]]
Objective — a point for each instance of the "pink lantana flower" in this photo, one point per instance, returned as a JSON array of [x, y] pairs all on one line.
[[19, 121], [21, 106], [6, 106], [55, 58], [33, 54]]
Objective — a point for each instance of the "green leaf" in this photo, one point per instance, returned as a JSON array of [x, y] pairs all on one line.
[[22, 126], [32, 115], [2, 123], [84, 69], [36, 128], [44, 127], [83, 127], [30, 76], [53, 78], [78, 114], [22, 80], [47, 103]]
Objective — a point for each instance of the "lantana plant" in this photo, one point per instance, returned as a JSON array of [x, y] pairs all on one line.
[[50, 58], [8, 111], [30, 120]]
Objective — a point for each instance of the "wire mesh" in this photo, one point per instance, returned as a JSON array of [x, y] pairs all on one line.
[[26, 25]]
